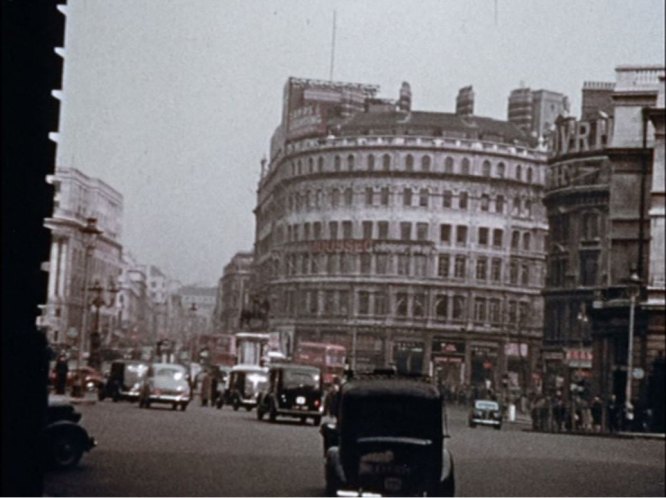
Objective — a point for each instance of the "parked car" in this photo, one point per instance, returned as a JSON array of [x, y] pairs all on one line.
[[124, 380], [165, 383], [92, 379], [245, 384], [389, 439], [292, 391], [485, 412], [65, 440]]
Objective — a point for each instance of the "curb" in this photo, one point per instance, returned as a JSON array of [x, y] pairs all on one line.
[[614, 435]]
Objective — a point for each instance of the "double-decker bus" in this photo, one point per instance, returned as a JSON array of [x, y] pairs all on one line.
[[330, 358]]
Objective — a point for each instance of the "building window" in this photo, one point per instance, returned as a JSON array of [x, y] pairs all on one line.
[[367, 230], [316, 230], [458, 308], [460, 266], [422, 231], [407, 197], [461, 235], [333, 230], [442, 307], [405, 231], [300, 167], [313, 300], [380, 304], [306, 231], [420, 265], [525, 276], [305, 262], [501, 170], [350, 162], [401, 304], [403, 264], [464, 166], [382, 263], [382, 229], [409, 163], [523, 313], [349, 196], [513, 312], [498, 235], [589, 261], [483, 236], [425, 163], [336, 163], [590, 229], [515, 239], [463, 200], [318, 197], [369, 196], [310, 165], [347, 262], [494, 311], [445, 233], [371, 162], [513, 273], [485, 202], [335, 198], [485, 168], [448, 165], [419, 304], [444, 262], [344, 303], [329, 302], [519, 173], [529, 175], [386, 162], [496, 270], [365, 263], [423, 197], [363, 303], [480, 309], [384, 196], [447, 195], [320, 164], [528, 208], [516, 205], [347, 230], [527, 239], [499, 204], [481, 268]]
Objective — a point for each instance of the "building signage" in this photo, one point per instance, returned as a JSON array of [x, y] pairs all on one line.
[[573, 137], [448, 347], [306, 121], [346, 245], [578, 357]]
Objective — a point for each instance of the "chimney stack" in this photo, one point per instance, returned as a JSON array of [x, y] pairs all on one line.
[[405, 101], [465, 101]]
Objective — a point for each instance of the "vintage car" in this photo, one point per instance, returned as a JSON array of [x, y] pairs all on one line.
[[65, 440], [292, 391], [485, 412], [245, 384], [165, 383], [124, 380], [389, 439]]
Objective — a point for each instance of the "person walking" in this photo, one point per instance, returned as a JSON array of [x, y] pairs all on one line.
[[61, 371], [614, 414], [596, 410]]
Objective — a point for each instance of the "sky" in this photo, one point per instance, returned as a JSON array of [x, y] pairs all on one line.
[[173, 102]]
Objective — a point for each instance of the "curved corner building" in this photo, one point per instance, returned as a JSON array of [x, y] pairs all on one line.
[[411, 238]]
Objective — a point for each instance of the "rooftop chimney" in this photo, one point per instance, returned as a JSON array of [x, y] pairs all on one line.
[[465, 101], [405, 101]]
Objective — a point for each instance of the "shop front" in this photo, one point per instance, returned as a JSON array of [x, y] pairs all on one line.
[[448, 359]]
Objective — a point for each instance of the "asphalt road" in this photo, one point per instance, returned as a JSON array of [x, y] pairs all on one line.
[[208, 452]]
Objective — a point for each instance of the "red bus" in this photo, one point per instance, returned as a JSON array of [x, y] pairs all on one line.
[[330, 358]]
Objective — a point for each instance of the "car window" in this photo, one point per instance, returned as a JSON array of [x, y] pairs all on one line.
[[300, 378], [486, 405], [389, 417], [171, 372]]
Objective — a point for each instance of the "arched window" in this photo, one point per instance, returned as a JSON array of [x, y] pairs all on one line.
[[318, 197], [590, 226], [447, 195], [448, 165], [371, 162], [515, 239], [293, 169], [423, 197], [527, 241], [464, 168], [463, 200], [501, 170], [350, 162], [335, 197], [529, 175], [499, 204], [425, 163], [528, 207], [409, 162], [310, 165], [485, 202], [519, 173], [336, 163], [407, 196], [386, 162], [307, 200], [516, 205], [349, 196], [485, 168], [320, 164], [442, 307]]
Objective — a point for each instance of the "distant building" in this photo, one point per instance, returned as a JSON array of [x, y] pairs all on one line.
[[605, 203], [535, 111], [77, 198], [135, 306], [233, 293], [597, 99], [201, 300]]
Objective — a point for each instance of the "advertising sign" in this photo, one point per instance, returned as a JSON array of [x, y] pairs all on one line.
[[578, 357]]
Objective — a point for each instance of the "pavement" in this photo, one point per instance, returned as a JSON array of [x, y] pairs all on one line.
[[87, 399]]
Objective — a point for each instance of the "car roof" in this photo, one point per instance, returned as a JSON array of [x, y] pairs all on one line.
[[170, 365], [389, 388], [294, 366], [249, 368]]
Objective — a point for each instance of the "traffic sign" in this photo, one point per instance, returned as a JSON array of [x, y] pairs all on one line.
[[638, 373]]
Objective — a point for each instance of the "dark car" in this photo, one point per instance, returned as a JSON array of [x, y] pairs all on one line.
[[124, 381], [245, 384], [292, 391], [389, 440], [485, 412], [65, 440], [165, 383]]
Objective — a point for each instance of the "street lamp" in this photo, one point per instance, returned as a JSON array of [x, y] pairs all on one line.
[[94, 360], [633, 290], [90, 233]]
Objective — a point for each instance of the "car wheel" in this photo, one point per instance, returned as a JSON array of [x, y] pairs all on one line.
[[66, 451], [236, 404], [498, 427], [316, 421], [448, 486]]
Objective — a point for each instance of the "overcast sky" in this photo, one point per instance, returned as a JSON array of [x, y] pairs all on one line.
[[173, 102]]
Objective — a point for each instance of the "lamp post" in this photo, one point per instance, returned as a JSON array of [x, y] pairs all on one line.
[[94, 360], [633, 290], [90, 233], [193, 344]]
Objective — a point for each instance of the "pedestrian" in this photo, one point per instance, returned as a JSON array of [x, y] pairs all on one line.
[[333, 398], [596, 412], [61, 371], [614, 414], [205, 388]]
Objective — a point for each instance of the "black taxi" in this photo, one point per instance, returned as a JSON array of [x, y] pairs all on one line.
[[293, 391]]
